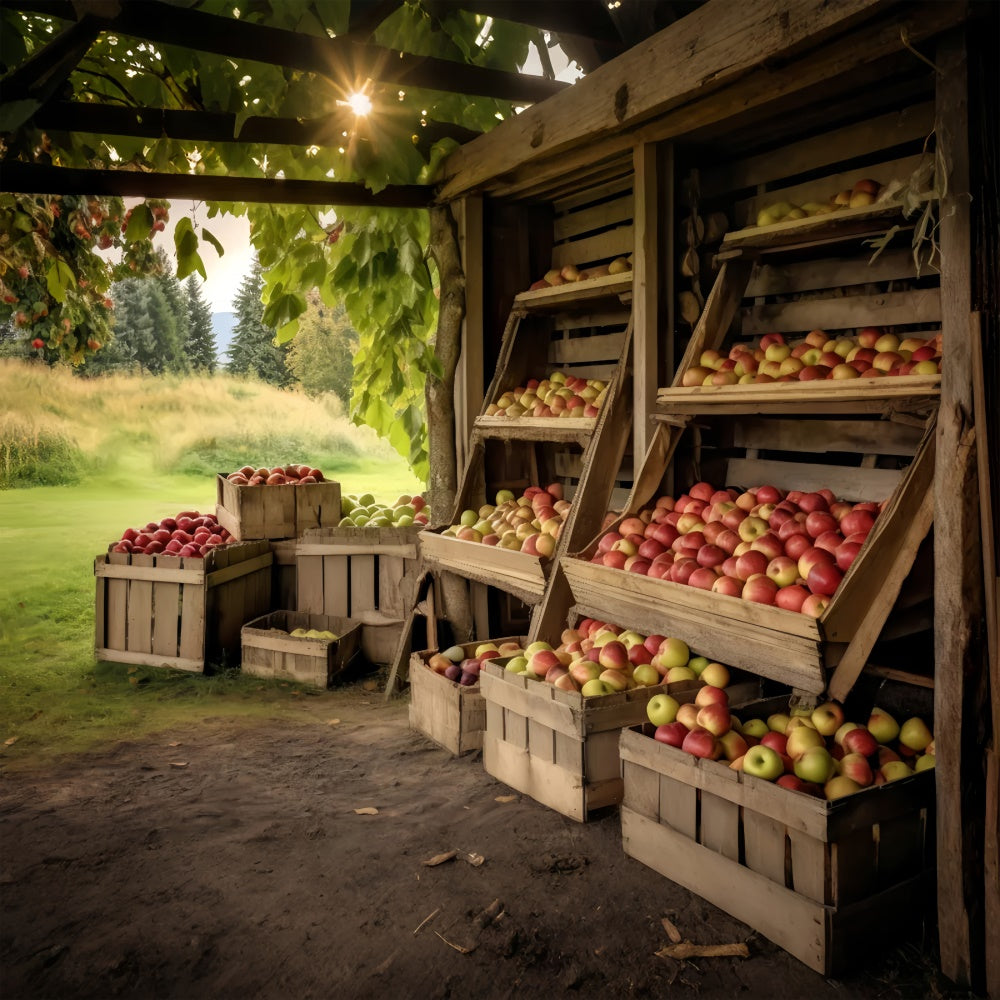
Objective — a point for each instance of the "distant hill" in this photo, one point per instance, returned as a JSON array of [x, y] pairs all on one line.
[[222, 326]]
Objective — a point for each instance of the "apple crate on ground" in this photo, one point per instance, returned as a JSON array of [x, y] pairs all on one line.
[[364, 573], [825, 880], [316, 657], [561, 747], [787, 646], [184, 613], [284, 510], [450, 713]]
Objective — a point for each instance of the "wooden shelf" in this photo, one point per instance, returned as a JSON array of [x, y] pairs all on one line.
[[574, 293], [842, 224], [574, 430], [828, 396]]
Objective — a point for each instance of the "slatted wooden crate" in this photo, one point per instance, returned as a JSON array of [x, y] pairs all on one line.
[[559, 747], [251, 512], [283, 585], [181, 613], [826, 881], [815, 273], [785, 646], [367, 574], [445, 711], [268, 652]]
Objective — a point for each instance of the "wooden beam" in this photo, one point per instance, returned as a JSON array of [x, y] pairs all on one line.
[[588, 20], [36, 178], [343, 60], [43, 72], [210, 126], [698, 54], [957, 556]]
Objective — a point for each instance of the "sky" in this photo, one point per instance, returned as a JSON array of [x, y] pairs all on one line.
[[224, 274]]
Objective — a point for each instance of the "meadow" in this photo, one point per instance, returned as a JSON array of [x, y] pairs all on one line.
[[82, 459]]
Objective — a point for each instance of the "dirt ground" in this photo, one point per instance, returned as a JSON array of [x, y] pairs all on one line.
[[228, 861]]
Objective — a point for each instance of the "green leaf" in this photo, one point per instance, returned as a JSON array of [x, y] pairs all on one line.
[[58, 278], [186, 245], [206, 235], [139, 224]]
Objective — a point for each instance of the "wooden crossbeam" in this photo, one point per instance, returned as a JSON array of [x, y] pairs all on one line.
[[342, 59], [33, 178], [588, 20], [209, 126]]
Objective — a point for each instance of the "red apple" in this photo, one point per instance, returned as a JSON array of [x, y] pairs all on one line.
[[791, 598], [760, 590], [671, 733], [824, 579], [728, 585], [701, 743]]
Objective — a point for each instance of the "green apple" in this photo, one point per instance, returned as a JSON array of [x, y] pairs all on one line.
[[678, 674], [815, 764], [778, 722], [536, 647], [842, 731], [517, 665], [839, 786], [646, 675], [896, 769], [827, 718], [883, 726], [756, 728], [914, 734], [298, 633], [661, 709], [763, 762], [486, 647], [595, 688], [630, 638], [924, 762], [504, 496], [454, 653], [715, 675], [800, 740], [698, 664], [674, 653]]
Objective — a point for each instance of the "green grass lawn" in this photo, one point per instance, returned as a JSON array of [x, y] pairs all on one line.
[[54, 697]]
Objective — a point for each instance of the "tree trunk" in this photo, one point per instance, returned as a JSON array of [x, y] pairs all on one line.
[[442, 480]]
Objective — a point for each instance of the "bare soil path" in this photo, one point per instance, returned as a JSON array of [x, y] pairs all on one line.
[[228, 861]]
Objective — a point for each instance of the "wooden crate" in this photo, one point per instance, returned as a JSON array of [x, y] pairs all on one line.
[[283, 584], [181, 613], [267, 653], [824, 880], [451, 715], [367, 574], [785, 646], [559, 747], [250, 512]]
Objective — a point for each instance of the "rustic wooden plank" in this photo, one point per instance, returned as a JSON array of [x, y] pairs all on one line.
[[702, 52], [586, 349], [238, 568], [336, 572], [150, 660], [582, 195], [166, 618], [373, 548], [469, 377], [617, 242], [842, 313], [720, 826], [857, 139], [650, 208], [765, 845], [606, 315], [810, 866], [541, 740], [149, 573], [586, 220], [530, 704], [847, 482], [140, 609], [792, 921], [859, 436], [573, 293], [641, 790], [794, 277]]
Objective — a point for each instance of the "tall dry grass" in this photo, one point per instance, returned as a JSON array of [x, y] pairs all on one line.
[[192, 424]]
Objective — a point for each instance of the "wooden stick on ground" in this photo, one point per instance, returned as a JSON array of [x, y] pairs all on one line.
[[687, 949]]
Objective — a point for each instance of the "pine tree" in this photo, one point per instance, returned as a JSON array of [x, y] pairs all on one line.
[[175, 338], [322, 353], [253, 351], [200, 347]]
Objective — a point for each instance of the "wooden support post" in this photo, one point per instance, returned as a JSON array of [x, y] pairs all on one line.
[[957, 556], [469, 378], [649, 210]]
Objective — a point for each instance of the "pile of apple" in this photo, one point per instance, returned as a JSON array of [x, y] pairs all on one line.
[[807, 750], [189, 535], [280, 475], [864, 193], [764, 545], [364, 511], [558, 395], [597, 658], [570, 273], [870, 353], [309, 633], [464, 670], [529, 523]]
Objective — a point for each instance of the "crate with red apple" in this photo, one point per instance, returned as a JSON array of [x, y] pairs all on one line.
[[508, 544], [275, 503], [815, 831], [445, 701], [179, 611], [780, 564], [296, 646], [368, 574], [554, 714], [189, 535]]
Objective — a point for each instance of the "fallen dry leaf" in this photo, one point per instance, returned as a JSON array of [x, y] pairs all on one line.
[[333, 722], [367, 811], [178, 763], [11, 741], [440, 859], [369, 685], [423, 923], [505, 798], [672, 932], [687, 949], [174, 744]]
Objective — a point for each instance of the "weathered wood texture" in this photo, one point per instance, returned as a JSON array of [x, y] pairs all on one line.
[[180, 613], [252, 512]]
